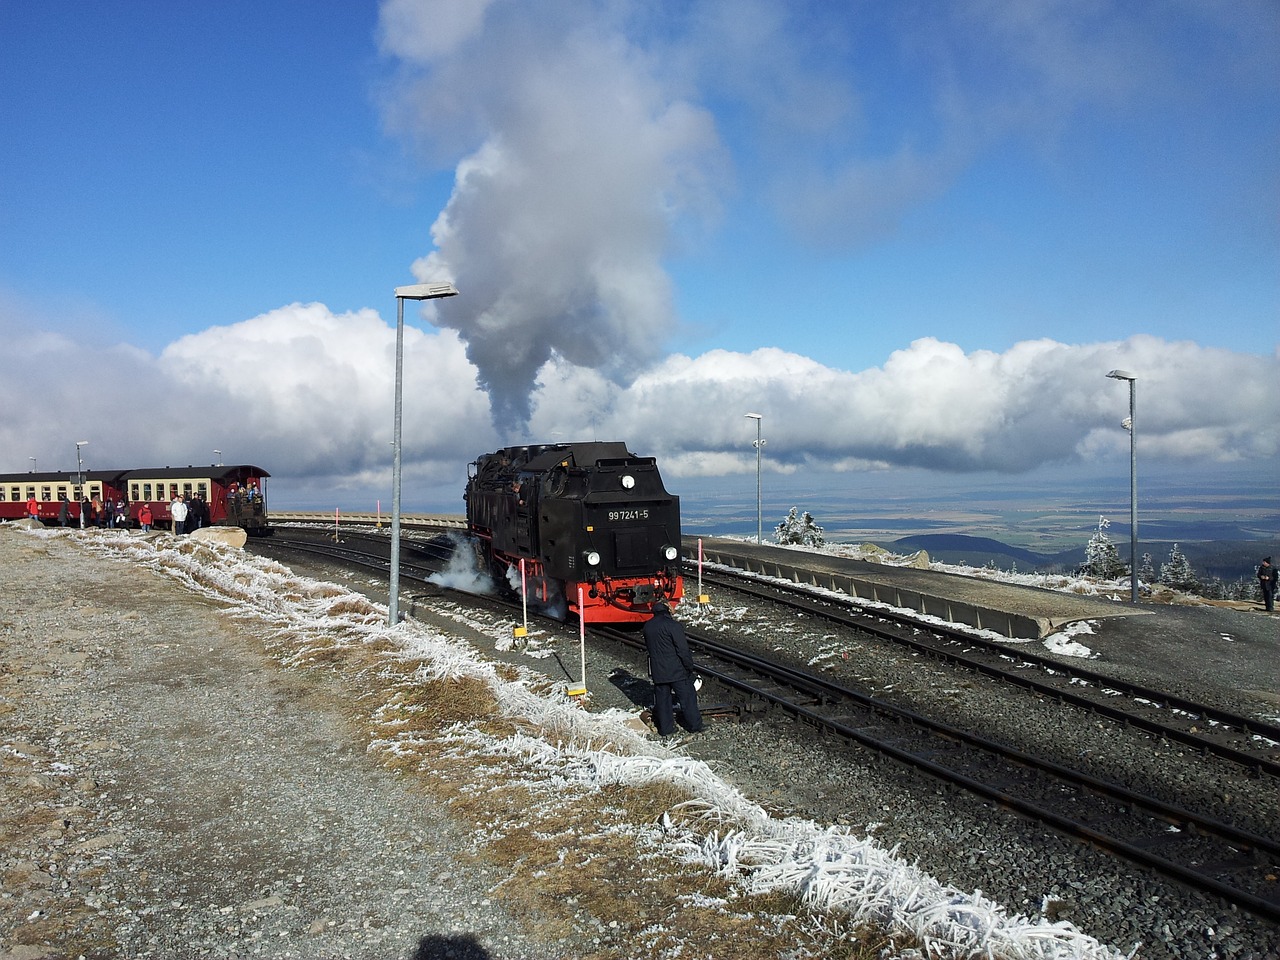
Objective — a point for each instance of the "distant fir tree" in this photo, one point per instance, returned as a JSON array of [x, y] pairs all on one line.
[[1100, 556], [1177, 573], [1147, 569], [799, 530]]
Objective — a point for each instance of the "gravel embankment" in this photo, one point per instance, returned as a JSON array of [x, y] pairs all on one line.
[[168, 791]]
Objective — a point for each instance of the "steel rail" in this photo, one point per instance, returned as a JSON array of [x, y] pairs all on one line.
[[826, 696], [1245, 726], [820, 698]]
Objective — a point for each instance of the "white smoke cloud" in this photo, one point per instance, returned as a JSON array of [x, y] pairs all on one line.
[[586, 161]]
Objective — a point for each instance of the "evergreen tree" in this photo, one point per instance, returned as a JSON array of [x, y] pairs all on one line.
[[1101, 558], [798, 529], [1177, 573], [1147, 569]]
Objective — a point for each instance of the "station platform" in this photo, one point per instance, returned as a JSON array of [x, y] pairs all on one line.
[[1013, 611]]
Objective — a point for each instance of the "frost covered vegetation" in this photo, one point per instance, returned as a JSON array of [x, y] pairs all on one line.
[[584, 814]]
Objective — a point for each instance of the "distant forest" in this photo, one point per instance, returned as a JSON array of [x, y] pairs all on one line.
[[1225, 561]]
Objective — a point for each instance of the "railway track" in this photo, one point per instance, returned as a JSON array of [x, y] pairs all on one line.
[[1213, 857], [1238, 866], [1251, 743]]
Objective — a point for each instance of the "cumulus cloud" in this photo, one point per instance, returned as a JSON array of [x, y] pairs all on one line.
[[930, 405], [307, 394], [299, 390]]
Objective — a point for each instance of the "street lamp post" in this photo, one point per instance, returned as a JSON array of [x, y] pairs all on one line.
[[759, 509], [413, 291], [1133, 483], [33, 464], [218, 454], [80, 477]]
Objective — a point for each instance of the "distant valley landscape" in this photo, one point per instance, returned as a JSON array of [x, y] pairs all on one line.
[[1032, 523]]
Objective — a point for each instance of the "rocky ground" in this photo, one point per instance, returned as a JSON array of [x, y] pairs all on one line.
[[167, 792], [170, 790]]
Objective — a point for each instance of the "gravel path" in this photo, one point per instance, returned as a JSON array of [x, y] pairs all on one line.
[[168, 792]]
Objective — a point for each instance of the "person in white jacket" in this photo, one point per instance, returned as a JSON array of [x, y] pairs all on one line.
[[178, 510]]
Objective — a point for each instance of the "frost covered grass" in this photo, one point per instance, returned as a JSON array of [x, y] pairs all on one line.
[[592, 825]]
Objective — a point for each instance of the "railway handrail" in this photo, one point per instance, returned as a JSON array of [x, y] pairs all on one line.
[[449, 521]]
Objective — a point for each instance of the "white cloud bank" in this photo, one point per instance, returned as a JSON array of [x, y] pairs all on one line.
[[307, 394]]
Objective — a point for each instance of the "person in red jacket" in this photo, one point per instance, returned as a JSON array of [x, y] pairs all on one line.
[[33, 507]]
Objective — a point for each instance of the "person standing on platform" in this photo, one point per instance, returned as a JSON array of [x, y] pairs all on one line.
[[33, 507], [1267, 580], [145, 518], [671, 669], [178, 510]]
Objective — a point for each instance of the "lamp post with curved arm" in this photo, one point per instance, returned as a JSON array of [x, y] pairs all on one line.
[[759, 444], [80, 477], [1133, 483], [413, 291]]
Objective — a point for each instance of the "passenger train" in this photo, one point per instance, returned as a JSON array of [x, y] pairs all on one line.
[[235, 495], [589, 525]]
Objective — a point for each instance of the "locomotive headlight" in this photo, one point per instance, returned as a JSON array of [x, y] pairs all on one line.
[[670, 553], [628, 481], [592, 557]]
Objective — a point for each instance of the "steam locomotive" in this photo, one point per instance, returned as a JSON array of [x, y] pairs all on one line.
[[585, 528]]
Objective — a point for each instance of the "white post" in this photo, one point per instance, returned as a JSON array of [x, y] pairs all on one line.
[[523, 631], [580, 690], [702, 597]]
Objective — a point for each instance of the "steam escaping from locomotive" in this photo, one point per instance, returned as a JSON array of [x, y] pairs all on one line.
[[464, 570]]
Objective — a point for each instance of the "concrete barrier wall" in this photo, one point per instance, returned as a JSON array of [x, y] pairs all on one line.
[[1009, 624]]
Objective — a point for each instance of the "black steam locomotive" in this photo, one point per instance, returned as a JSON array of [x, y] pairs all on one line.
[[598, 533]]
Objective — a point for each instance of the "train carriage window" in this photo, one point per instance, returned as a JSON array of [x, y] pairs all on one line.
[[63, 492], [15, 493], [186, 490], [31, 492], [46, 493], [2, 492], [202, 490]]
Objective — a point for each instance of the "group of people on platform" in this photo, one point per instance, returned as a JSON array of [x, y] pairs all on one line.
[[188, 511]]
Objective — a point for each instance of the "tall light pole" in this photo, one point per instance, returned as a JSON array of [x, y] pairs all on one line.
[[33, 464], [759, 509], [80, 477], [413, 291], [1133, 483], [218, 454]]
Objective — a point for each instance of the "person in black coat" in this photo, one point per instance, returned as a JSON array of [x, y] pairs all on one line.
[[1267, 576], [671, 669]]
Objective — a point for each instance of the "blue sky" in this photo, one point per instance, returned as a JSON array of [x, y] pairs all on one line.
[[894, 229]]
